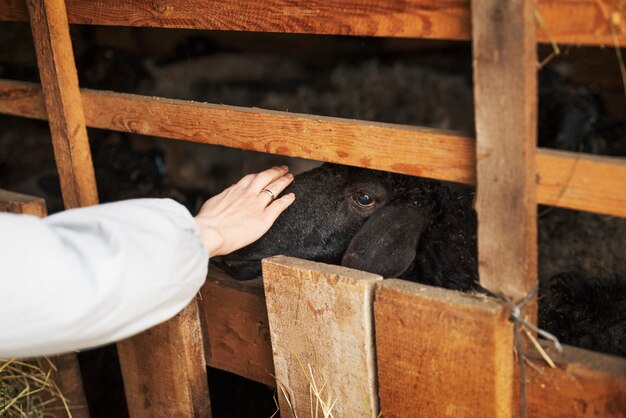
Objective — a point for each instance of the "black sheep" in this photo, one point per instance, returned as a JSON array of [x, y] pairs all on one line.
[[332, 203], [420, 230], [585, 311], [432, 226], [581, 309]]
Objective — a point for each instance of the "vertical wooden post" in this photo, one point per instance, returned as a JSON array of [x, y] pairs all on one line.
[[505, 94], [67, 375], [505, 91], [442, 353], [322, 337], [59, 81], [147, 358], [164, 369]]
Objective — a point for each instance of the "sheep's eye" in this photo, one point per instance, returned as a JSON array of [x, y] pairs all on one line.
[[363, 199]]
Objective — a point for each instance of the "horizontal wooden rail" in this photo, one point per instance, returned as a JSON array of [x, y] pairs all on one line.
[[237, 332], [584, 383], [565, 179], [568, 21]]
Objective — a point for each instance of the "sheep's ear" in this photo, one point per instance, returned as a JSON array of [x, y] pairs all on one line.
[[387, 243]]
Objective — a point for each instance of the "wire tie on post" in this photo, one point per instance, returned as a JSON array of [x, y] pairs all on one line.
[[515, 316]]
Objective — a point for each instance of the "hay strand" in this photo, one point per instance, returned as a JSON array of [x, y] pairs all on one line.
[[28, 390]]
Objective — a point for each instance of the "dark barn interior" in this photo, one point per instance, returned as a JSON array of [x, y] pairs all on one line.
[[410, 82]]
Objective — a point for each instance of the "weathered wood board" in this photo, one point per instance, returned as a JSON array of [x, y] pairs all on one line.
[[567, 21], [584, 384], [442, 353], [564, 179], [505, 92], [20, 203], [57, 71], [322, 337], [164, 369], [237, 329]]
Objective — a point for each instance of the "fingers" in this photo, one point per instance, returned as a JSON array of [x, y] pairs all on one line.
[[276, 187], [246, 180], [278, 206], [264, 178]]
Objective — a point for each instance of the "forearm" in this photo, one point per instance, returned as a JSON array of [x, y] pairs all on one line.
[[92, 276]]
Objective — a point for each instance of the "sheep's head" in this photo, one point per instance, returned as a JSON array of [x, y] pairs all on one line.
[[428, 234], [332, 203], [387, 243]]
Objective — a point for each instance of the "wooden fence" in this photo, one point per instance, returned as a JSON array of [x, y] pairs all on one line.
[[401, 348]]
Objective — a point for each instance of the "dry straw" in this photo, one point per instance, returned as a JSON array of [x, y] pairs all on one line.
[[28, 391], [322, 401]]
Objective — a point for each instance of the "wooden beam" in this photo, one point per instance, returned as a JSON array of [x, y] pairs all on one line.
[[581, 181], [57, 71], [164, 369], [156, 376], [564, 179], [568, 21], [66, 372], [505, 92], [442, 353], [322, 337], [68, 378], [583, 384], [236, 327], [20, 203]]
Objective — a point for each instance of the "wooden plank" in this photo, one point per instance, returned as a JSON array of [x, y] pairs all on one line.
[[569, 21], [442, 353], [322, 337], [164, 369], [20, 203], [579, 181], [57, 71], [402, 149], [505, 92], [236, 327], [584, 384], [157, 377], [67, 370], [564, 179], [70, 382]]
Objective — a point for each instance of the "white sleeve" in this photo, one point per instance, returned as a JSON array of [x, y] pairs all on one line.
[[91, 276]]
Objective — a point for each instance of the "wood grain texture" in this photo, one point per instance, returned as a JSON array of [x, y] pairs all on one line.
[[66, 372], [20, 203], [322, 336], [579, 181], [584, 384], [57, 71], [164, 369], [69, 380], [569, 21], [442, 353], [505, 93], [237, 334], [564, 179]]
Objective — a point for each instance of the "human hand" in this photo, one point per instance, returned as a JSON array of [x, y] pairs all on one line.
[[242, 213]]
